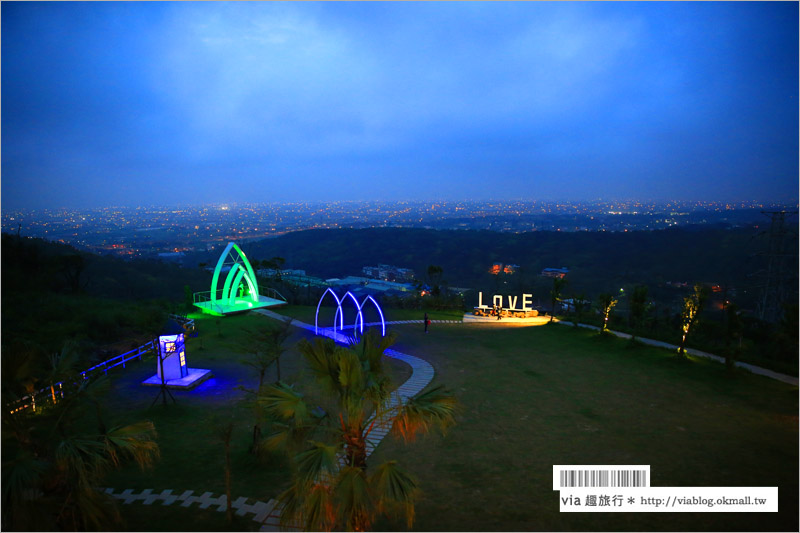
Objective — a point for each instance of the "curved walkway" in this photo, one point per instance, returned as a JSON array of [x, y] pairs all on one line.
[[268, 514], [698, 353]]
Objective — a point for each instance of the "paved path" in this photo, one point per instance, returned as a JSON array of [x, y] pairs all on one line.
[[268, 514], [752, 368]]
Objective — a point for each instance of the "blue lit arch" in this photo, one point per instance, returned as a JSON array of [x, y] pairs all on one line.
[[359, 323], [338, 311], [380, 313]]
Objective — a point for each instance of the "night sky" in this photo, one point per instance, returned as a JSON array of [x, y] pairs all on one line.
[[183, 103]]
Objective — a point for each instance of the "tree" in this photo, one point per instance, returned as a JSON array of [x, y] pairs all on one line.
[[61, 368], [733, 333], [692, 305], [53, 461], [276, 264], [326, 436], [638, 308], [579, 303], [264, 346], [606, 302], [223, 431], [188, 297], [72, 267], [555, 295], [784, 334], [275, 344], [435, 278]]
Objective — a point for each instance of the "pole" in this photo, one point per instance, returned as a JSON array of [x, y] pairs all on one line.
[[163, 390], [163, 382]]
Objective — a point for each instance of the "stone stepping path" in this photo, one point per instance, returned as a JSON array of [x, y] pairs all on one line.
[[268, 514], [242, 506]]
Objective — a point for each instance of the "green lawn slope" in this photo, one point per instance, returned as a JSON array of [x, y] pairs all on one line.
[[530, 397]]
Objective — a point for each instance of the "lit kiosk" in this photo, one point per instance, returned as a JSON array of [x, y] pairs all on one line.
[[172, 370], [239, 291]]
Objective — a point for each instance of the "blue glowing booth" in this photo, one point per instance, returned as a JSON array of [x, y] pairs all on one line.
[[172, 369], [172, 351]]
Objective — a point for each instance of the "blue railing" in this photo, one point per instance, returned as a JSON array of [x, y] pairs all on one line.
[[30, 401], [50, 394]]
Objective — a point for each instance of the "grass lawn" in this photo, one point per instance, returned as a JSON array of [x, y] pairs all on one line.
[[155, 517], [531, 397]]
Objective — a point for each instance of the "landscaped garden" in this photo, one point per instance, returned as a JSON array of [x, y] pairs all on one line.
[[530, 397]]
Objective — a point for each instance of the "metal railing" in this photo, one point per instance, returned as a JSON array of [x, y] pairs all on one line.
[[187, 323], [205, 296], [30, 401], [202, 297], [271, 293]]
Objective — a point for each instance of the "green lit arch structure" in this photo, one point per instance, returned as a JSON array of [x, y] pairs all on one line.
[[239, 291]]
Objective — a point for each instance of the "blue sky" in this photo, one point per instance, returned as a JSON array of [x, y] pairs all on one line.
[[151, 103]]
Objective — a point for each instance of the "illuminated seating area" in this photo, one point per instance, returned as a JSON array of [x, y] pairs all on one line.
[[486, 311], [483, 310], [520, 313]]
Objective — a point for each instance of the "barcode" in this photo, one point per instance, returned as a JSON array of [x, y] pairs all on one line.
[[603, 478]]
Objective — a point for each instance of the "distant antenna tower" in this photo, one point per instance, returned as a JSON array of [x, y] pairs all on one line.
[[777, 276]]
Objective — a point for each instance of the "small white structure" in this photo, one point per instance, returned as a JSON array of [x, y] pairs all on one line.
[[172, 351], [172, 370]]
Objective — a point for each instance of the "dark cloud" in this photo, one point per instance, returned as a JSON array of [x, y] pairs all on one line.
[[127, 103]]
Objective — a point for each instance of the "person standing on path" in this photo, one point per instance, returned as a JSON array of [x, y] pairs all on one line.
[[427, 322]]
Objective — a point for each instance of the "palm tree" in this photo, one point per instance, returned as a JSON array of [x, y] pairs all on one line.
[[53, 464], [555, 295], [326, 435]]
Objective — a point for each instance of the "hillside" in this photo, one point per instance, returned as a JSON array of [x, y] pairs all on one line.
[[597, 261], [54, 293]]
